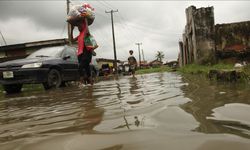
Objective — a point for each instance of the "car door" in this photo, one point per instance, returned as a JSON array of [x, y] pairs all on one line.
[[70, 64]]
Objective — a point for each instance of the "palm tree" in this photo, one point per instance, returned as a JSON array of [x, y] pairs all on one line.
[[159, 55]]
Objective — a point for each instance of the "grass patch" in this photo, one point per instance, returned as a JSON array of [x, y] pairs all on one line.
[[203, 69], [153, 70], [246, 73], [33, 87], [29, 87]]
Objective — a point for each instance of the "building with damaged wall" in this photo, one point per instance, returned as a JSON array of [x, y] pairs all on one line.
[[198, 44], [206, 43], [232, 41]]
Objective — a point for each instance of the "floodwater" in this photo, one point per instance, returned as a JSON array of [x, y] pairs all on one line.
[[154, 111]]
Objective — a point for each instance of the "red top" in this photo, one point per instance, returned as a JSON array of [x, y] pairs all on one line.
[[80, 38]]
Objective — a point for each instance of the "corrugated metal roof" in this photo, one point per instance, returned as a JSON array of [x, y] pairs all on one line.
[[34, 44]]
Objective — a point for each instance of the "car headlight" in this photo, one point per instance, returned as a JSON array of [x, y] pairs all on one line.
[[33, 65]]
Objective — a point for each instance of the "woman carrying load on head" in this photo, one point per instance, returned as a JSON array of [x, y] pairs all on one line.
[[84, 52], [82, 16]]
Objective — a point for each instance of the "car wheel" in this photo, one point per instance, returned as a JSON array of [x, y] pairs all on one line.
[[54, 80], [12, 88]]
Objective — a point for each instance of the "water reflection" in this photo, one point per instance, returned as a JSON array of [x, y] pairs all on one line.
[[57, 111], [90, 115], [119, 96], [206, 96], [130, 99], [137, 122], [124, 105], [133, 85]]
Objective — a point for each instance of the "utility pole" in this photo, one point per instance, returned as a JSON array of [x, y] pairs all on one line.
[[69, 25], [139, 53], [3, 38], [113, 33], [143, 55]]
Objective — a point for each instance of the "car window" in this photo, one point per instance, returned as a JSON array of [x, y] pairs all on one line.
[[70, 52], [47, 52]]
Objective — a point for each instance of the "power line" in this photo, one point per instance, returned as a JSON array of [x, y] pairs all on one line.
[[126, 33], [127, 26], [101, 36], [105, 3], [100, 14], [121, 19]]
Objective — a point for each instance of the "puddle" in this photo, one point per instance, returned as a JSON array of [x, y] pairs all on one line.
[[149, 111]]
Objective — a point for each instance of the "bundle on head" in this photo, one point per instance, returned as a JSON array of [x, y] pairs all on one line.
[[79, 12]]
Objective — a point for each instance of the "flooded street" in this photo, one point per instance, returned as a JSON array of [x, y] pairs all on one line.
[[154, 111]]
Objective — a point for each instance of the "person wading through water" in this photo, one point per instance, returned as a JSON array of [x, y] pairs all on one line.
[[132, 63], [84, 53]]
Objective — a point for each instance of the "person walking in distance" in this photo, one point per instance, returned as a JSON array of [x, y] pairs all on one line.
[[132, 63]]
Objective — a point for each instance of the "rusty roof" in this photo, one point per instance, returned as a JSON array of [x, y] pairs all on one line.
[[53, 42]]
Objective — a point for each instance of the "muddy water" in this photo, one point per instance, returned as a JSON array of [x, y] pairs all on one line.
[[154, 111]]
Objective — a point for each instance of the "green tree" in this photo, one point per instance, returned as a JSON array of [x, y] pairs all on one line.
[[159, 55]]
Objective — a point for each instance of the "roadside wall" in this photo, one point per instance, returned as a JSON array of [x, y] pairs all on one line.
[[233, 41]]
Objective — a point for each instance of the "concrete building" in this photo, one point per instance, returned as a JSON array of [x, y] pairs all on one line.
[[109, 62], [206, 43], [155, 63]]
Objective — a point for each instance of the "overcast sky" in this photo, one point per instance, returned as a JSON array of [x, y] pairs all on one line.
[[158, 25]]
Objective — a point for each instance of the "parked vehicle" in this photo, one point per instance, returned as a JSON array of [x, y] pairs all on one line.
[[105, 70], [51, 66], [126, 69], [121, 69]]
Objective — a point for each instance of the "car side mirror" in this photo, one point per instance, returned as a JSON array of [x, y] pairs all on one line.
[[66, 57]]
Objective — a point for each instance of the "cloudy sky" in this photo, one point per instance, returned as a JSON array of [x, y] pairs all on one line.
[[158, 25]]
